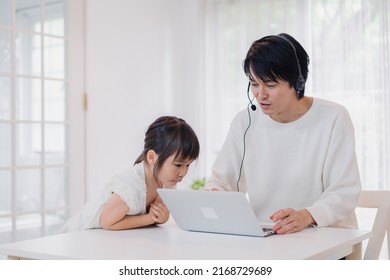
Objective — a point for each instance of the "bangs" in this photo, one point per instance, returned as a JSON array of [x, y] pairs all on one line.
[[186, 147], [263, 73]]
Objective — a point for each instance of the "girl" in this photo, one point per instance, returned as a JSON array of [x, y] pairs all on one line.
[[130, 198]]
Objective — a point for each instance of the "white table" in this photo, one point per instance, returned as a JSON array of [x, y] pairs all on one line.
[[168, 242]]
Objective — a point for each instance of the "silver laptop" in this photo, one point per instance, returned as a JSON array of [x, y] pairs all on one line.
[[214, 211]]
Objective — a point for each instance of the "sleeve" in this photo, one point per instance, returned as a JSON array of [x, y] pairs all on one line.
[[130, 187], [341, 179], [226, 168]]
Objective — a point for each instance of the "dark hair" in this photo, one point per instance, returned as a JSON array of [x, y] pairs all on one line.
[[272, 57], [170, 135]]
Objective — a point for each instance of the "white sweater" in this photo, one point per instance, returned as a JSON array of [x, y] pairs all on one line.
[[309, 163]]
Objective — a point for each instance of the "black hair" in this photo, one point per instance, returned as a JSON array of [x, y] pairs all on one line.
[[169, 135], [272, 58]]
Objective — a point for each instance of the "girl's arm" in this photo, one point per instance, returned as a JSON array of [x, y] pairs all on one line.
[[114, 215]]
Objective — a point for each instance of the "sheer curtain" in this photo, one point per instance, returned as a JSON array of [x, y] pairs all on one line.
[[348, 43]]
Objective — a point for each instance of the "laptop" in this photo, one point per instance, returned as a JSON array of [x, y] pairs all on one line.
[[214, 211]]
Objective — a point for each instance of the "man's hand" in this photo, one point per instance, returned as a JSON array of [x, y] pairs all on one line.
[[290, 220]]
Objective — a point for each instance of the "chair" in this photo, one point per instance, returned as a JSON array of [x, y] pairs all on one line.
[[379, 199]]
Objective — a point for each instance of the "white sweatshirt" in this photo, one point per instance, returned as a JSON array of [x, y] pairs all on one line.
[[309, 163]]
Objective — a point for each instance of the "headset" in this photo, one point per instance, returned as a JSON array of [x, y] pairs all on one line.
[[299, 86], [253, 107]]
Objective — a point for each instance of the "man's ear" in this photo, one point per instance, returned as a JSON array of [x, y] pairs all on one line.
[[151, 157]]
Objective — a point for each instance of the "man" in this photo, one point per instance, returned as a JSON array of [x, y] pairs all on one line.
[[296, 156]]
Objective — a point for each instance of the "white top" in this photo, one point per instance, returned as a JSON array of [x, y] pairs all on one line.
[[308, 163], [129, 185]]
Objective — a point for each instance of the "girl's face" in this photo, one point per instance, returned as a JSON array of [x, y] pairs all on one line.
[[173, 171]]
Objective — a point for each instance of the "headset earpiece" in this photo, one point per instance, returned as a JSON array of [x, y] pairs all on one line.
[[299, 84]]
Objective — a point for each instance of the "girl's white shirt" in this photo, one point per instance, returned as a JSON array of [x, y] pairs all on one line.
[[129, 185]]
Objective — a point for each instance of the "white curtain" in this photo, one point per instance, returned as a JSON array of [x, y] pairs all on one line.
[[349, 47]]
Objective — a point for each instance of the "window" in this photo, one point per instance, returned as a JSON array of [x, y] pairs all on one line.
[[34, 118]]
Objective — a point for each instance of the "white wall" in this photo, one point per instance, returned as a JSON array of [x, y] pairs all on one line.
[[143, 60]]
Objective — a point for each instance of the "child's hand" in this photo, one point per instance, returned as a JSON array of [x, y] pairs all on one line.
[[158, 211], [158, 200]]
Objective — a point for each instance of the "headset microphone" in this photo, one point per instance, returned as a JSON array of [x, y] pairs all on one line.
[[253, 106]]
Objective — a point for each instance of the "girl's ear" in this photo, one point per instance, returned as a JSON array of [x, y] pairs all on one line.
[[151, 157]]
